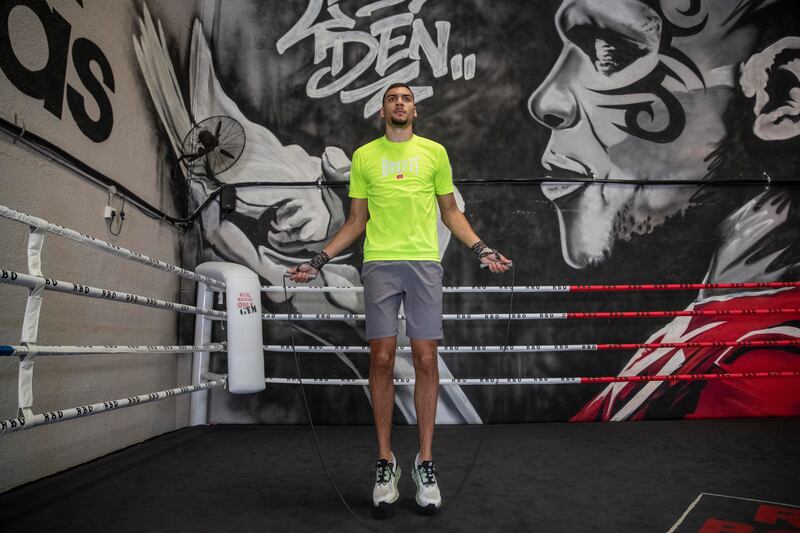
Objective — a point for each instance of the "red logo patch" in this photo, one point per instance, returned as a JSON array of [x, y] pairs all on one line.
[[399, 176]]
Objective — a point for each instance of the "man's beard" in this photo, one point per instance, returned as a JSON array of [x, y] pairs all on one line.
[[399, 122]]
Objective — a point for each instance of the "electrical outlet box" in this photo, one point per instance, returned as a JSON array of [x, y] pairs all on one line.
[[109, 213]]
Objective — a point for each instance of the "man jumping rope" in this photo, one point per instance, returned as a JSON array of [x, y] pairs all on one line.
[[395, 184]]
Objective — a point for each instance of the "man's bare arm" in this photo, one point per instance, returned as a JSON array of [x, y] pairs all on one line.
[[351, 230], [456, 222]]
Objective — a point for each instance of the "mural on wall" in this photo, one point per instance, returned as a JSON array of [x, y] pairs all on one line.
[[382, 51], [650, 90]]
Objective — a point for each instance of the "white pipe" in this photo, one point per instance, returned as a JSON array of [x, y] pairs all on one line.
[[198, 408]]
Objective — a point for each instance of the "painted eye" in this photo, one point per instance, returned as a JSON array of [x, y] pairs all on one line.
[[608, 51]]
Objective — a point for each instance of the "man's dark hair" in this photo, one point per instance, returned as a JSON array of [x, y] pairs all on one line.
[[395, 86]]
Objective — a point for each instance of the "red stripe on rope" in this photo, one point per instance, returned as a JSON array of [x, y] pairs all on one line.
[[699, 344], [692, 377], [683, 286], [695, 312]]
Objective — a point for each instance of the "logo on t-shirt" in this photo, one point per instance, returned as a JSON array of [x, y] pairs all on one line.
[[399, 169]]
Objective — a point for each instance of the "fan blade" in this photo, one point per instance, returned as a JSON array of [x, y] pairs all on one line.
[[226, 153], [219, 126]]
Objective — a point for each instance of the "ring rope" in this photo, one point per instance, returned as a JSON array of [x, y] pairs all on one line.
[[33, 349], [8, 350], [568, 288], [548, 315], [21, 423], [544, 347], [119, 251], [10, 277], [546, 381]]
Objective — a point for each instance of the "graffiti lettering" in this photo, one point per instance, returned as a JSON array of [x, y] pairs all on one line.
[[382, 47]]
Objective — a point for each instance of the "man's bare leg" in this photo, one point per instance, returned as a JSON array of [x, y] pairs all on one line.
[[426, 392], [381, 387]]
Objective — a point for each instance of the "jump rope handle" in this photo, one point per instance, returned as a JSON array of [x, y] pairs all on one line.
[[288, 274], [509, 264]]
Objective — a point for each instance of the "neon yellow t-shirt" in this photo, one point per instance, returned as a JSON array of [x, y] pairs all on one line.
[[400, 181]]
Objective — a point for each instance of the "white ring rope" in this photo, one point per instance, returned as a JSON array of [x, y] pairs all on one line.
[[105, 246], [543, 381], [314, 289], [531, 348], [564, 288], [52, 417], [8, 350], [10, 277], [287, 348], [547, 315], [460, 316]]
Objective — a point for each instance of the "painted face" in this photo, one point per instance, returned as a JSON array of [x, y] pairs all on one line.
[[638, 92], [398, 107]]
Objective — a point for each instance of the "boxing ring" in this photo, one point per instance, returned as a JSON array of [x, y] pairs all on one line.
[[36, 284], [241, 292]]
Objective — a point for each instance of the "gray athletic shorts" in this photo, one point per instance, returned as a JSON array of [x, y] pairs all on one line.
[[418, 284]]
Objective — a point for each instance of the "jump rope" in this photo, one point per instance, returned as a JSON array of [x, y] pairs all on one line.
[[490, 409], [308, 409]]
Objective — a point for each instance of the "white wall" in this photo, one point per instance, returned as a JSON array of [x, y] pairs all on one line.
[[43, 189], [133, 155]]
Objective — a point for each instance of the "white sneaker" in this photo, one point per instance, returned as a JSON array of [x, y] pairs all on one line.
[[429, 499], [387, 474]]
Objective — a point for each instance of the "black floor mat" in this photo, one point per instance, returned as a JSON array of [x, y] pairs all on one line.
[[601, 477]]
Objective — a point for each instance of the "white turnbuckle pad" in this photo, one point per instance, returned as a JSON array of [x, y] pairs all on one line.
[[245, 337]]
